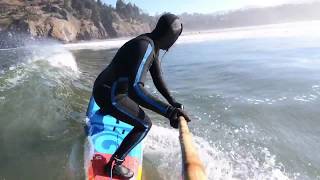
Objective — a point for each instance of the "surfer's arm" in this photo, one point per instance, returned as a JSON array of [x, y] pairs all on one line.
[[143, 51], [145, 99], [157, 77]]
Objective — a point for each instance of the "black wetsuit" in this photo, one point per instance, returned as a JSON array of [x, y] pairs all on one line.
[[119, 90]]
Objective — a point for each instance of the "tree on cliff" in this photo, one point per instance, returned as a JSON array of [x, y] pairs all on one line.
[[120, 6], [79, 6], [87, 9], [132, 12], [95, 16], [99, 3], [67, 4], [106, 12]]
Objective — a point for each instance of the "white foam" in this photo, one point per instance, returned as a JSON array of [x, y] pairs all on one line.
[[163, 149], [50, 61], [13, 77], [55, 55], [63, 59], [88, 154], [97, 45], [303, 98]]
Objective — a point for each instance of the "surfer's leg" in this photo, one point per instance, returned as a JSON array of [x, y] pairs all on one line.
[[126, 110], [101, 95]]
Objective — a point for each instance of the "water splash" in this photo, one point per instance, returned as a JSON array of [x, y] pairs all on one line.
[[48, 60], [220, 163]]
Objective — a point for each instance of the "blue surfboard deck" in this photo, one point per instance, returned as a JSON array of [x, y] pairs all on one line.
[[105, 134]]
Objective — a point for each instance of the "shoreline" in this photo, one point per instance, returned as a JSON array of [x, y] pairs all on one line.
[[292, 29]]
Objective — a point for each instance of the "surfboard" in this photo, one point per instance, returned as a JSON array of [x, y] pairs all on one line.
[[105, 134]]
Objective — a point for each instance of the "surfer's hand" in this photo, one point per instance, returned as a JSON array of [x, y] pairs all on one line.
[[184, 114], [177, 105], [174, 118]]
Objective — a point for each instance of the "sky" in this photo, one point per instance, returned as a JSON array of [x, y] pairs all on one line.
[[201, 6]]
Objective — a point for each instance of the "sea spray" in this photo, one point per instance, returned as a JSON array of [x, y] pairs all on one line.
[[162, 146]]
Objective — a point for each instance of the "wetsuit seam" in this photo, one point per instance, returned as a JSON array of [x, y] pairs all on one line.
[[138, 78], [115, 104]]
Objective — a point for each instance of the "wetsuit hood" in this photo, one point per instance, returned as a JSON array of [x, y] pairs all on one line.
[[167, 31]]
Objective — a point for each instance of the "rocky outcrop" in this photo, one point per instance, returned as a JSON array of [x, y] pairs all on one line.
[[52, 21], [128, 27], [88, 30], [44, 18]]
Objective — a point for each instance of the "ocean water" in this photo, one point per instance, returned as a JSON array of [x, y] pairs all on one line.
[[253, 95]]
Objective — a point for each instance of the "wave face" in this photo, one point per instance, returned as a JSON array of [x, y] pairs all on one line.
[[37, 110]]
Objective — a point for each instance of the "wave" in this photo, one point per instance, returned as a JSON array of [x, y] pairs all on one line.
[[236, 163], [38, 85]]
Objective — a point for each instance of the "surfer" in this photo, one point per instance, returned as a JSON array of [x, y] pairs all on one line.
[[119, 89]]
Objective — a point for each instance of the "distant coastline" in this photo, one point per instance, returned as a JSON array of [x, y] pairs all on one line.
[[292, 29], [71, 21]]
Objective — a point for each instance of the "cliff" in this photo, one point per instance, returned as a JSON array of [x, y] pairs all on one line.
[[68, 20]]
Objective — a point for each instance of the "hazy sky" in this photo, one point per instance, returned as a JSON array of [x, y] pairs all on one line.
[[201, 6]]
